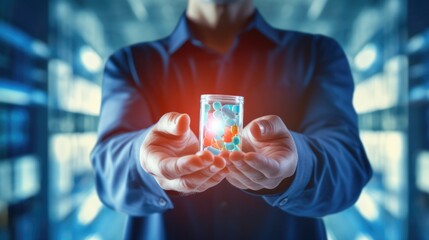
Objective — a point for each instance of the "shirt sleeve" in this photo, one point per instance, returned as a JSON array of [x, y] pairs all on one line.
[[332, 165], [125, 119]]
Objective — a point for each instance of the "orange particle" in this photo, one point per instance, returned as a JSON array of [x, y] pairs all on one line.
[[234, 130], [207, 142], [220, 145], [216, 145], [227, 137]]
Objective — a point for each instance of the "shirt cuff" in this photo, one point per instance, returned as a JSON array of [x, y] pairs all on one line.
[[303, 173]]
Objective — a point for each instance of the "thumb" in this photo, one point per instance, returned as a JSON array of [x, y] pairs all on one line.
[[268, 128], [173, 123]]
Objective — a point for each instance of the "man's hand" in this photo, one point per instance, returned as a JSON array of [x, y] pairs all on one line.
[[168, 153], [270, 155]]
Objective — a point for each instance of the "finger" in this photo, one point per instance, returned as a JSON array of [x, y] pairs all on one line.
[[218, 163], [188, 185], [204, 175], [224, 154], [236, 156], [243, 179], [160, 163], [234, 182], [241, 184], [288, 166], [193, 181], [172, 123], [191, 144], [247, 144], [270, 168], [255, 175], [173, 167], [267, 128], [205, 155], [214, 180]]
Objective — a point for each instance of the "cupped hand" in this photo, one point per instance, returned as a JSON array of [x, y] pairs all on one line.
[[269, 156], [169, 153]]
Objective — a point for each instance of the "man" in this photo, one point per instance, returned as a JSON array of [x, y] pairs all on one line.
[[302, 155]]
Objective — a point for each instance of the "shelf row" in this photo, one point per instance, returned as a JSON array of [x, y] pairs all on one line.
[[22, 41], [72, 94], [70, 158], [19, 178]]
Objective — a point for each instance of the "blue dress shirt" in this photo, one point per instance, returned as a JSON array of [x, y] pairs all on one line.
[[303, 78]]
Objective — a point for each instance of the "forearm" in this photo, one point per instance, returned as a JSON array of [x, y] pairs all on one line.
[[121, 182], [332, 170]]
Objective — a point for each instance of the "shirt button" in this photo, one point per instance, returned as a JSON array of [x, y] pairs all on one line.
[[283, 202], [162, 202]]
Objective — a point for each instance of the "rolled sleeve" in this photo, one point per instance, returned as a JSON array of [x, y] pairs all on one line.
[[125, 121], [332, 164]]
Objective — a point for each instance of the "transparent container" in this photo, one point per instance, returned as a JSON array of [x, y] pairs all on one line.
[[221, 123]]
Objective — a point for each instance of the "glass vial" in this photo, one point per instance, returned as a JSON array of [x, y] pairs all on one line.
[[221, 123]]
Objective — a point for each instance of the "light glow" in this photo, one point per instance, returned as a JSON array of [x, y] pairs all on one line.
[[89, 209], [422, 170], [316, 8], [94, 237], [90, 59], [416, 43], [362, 236], [14, 96], [367, 207], [215, 125], [366, 57], [138, 9]]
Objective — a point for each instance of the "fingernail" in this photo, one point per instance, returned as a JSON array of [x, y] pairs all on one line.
[[213, 169], [194, 168], [205, 159], [261, 127], [202, 155]]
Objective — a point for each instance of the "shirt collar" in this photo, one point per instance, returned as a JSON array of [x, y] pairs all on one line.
[[182, 33], [258, 23]]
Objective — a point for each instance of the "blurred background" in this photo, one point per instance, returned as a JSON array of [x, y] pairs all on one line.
[[52, 54]]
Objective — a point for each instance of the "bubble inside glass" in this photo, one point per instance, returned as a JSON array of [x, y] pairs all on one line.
[[221, 123]]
